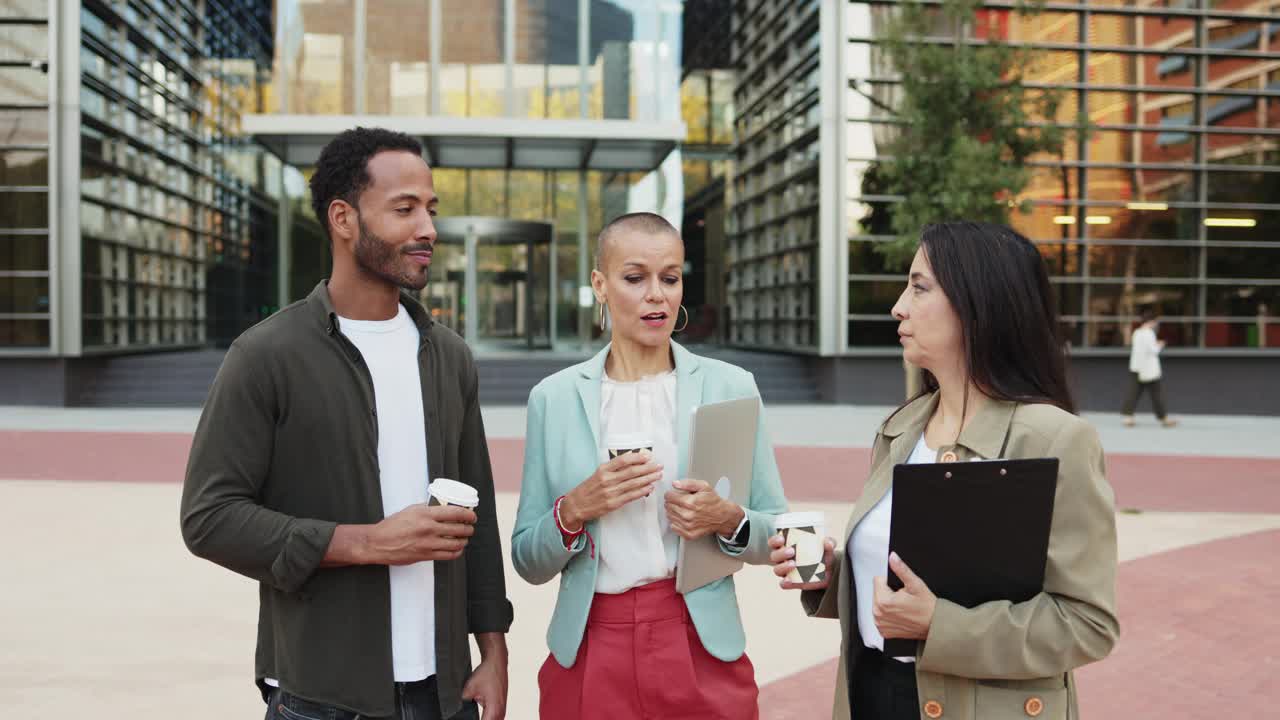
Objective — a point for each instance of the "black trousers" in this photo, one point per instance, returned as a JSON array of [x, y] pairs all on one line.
[[883, 688], [414, 701], [1136, 388]]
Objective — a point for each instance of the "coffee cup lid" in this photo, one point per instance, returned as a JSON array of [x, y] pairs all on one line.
[[628, 441], [799, 519], [454, 493]]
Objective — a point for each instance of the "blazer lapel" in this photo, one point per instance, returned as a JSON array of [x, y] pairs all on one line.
[[902, 431], [589, 378], [688, 398]]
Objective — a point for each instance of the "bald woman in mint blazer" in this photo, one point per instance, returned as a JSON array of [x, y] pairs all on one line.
[[624, 643]]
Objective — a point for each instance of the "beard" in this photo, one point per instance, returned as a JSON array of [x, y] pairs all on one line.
[[384, 261]]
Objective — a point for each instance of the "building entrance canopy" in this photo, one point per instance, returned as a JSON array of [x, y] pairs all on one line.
[[612, 145]]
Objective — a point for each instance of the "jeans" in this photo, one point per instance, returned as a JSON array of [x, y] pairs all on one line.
[[1136, 389], [414, 701]]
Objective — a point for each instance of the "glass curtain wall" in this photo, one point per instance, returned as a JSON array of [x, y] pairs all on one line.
[[25, 304], [1171, 201], [773, 193], [178, 221], [316, 57], [397, 65], [343, 57]]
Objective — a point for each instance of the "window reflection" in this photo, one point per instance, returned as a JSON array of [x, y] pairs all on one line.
[[546, 75], [633, 60], [398, 57], [315, 46], [473, 75], [1134, 261]]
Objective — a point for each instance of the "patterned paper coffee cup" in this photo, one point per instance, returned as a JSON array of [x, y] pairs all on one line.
[[444, 491], [621, 444], [805, 532]]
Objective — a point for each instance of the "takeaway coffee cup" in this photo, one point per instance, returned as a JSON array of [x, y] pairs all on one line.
[[623, 443], [805, 532], [444, 491]]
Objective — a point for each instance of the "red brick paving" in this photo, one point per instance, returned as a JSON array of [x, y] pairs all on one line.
[[1200, 638], [1149, 482], [112, 457]]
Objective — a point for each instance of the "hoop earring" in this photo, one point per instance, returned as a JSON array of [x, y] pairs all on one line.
[[600, 321], [686, 319]]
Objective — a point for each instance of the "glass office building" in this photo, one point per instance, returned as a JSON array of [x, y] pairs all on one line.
[[133, 218], [1172, 199], [542, 120], [154, 156]]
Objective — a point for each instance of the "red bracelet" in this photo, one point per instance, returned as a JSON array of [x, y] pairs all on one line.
[[571, 534]]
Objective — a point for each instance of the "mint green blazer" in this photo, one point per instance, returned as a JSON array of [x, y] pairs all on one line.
[[561, 451]]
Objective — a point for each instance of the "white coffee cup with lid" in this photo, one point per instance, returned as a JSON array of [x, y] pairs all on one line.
[[444, 491], [623, 443], [804, 532]]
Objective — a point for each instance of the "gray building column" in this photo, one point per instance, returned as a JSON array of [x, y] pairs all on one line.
[[65, 262]]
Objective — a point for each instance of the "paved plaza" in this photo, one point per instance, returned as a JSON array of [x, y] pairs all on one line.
[[106, 613]]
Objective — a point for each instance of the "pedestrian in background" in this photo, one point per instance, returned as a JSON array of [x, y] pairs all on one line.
[[1144, 368]]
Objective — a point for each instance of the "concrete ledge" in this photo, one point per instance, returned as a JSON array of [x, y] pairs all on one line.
[[1219, 384]]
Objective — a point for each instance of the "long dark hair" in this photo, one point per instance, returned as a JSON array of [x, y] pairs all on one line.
[[998, 285]]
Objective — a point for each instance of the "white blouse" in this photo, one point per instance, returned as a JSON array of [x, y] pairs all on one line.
[[635, 542], [869, 548]]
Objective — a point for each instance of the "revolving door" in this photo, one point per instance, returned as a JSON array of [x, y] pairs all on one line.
[[491, 281]]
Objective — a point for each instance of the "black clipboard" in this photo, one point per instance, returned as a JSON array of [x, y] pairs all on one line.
[[973, 531]]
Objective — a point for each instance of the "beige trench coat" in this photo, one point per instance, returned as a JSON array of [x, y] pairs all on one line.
[[1002, 660]]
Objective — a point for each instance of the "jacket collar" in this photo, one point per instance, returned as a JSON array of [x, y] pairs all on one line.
[[686, 362], [984, 435], [688, 392], [321, 306]]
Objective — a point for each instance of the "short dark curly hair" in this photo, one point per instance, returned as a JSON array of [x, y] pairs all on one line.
[[342, 172]]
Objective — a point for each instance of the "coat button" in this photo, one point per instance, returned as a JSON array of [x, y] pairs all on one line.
[[949, 457], [1034, 706], [933, 709]]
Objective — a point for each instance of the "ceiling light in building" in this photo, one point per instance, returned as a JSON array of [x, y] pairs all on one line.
[[1147, 206], [1097, 220], [1064, 219], [1230, 222]]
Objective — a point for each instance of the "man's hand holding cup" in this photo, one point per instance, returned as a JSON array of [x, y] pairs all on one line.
[[437, 530]]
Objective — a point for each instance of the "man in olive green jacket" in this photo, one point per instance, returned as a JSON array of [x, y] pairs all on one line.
[[310, 467]]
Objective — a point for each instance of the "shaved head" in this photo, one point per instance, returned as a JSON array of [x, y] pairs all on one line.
[[640, 223]]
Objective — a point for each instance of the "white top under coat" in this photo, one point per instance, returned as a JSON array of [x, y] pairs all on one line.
[[869, 548], [635, 542]]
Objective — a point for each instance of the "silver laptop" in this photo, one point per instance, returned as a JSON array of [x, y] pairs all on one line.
[[721, 453]]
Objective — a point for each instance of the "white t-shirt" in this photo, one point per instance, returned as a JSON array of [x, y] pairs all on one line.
[[390, 350], [635, 542], [869, 548]]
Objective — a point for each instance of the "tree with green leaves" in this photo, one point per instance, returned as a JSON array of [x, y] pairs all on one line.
[[963, 120]]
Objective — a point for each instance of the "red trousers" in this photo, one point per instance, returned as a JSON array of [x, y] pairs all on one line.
[[641, 659]]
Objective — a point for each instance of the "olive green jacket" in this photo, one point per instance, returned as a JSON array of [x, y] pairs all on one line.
[[1000, 659], [286, 450]]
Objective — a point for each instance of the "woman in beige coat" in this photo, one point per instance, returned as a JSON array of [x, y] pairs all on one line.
[[978, 316]]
